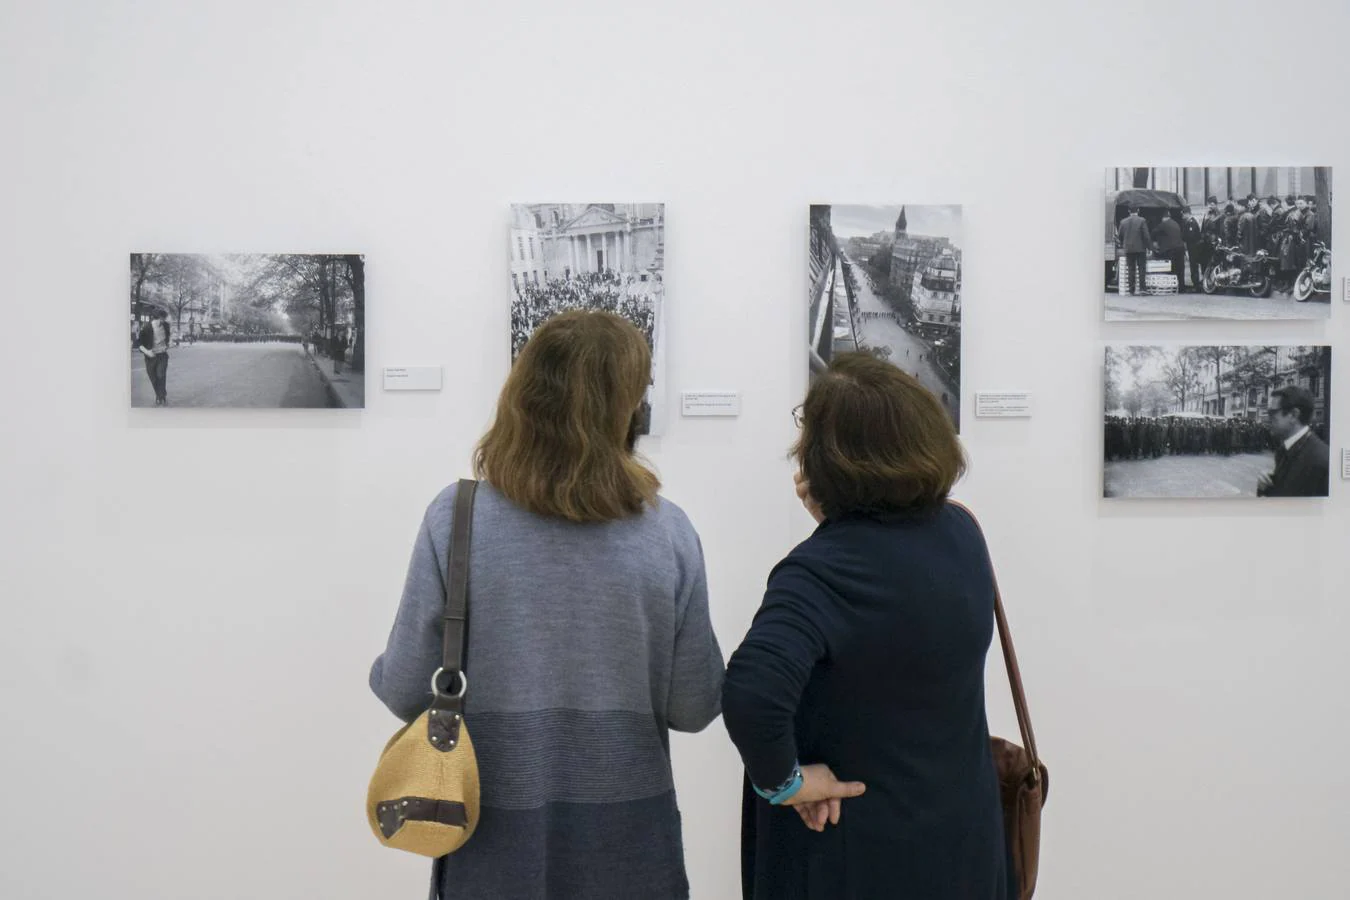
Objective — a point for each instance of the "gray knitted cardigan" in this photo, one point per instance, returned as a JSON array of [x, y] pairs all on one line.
[[587, 643]]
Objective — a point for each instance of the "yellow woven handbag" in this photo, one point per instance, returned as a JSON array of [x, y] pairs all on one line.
[[424, 795]]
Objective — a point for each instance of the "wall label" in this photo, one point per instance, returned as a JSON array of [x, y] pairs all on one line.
[[412, 378], [1003, 404], [710, 403]]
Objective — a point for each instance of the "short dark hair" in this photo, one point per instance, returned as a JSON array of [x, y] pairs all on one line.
[[161, 313], [1213, 199], [1293, 397], [875, 440]]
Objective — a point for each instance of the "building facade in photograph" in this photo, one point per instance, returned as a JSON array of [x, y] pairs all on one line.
[[559, 240], [1195, 184], [937, 298], [910, 253], [823, 266], [1305, 367]]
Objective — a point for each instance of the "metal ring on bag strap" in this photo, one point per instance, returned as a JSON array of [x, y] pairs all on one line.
[[436, 690]]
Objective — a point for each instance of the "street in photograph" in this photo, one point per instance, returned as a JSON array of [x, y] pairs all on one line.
[[887, 280], [600, 256], [247, 330], [1217, 421], [1247, 242]]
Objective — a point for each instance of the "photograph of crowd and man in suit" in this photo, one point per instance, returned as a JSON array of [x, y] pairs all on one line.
[[887, 280], [598, 256], [269, 330], [1246, 242], [1217, 421]]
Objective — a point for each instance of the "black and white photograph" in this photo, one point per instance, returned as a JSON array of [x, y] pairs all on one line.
[[601, 256], [1217, 421], [248, 330], [887, 280], [1242, 242]]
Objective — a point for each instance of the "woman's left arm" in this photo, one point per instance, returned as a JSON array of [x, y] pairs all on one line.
[[401, 676], [769, 671]]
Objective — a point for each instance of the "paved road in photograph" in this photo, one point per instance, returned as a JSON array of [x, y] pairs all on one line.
[[905, 347], [1212, 306], [1187, 476], [270, 374]]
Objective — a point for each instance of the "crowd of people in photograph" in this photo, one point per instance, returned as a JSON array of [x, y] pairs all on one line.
[[624, 294], [1286, 228], [1153, 437]]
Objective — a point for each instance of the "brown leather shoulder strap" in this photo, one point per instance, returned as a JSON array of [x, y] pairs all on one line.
[[454, 644], [1009, 654]]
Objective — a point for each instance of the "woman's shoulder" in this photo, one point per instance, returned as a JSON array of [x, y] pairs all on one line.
[[855, 533], [674, 523]]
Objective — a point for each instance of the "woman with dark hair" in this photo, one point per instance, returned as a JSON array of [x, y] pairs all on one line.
[[866, 659], [589, 634]]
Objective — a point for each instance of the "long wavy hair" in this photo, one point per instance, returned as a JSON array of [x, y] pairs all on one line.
[[563, 441]]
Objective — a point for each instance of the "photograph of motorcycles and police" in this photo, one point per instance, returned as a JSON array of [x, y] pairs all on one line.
[[1247, 242], [1217, 421]]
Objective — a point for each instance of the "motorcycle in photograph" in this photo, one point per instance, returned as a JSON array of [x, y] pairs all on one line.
[[1316, 275], [1232, 270]]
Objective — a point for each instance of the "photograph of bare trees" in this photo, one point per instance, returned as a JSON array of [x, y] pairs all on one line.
[[1217, 421], [247, 330]]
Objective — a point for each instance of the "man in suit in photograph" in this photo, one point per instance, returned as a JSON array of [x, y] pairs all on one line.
[[1171, 245], [1302, 463], [1134, 240], [1191, 234]]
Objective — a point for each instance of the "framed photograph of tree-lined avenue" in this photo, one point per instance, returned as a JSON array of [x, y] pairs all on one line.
[[886, 280], [1217, 421], [602, 256], [1218, 242], [247, 330]]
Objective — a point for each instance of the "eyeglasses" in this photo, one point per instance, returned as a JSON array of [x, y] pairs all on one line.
[[797, 415]]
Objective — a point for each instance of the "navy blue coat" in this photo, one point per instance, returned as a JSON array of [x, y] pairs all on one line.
[[868, 655]]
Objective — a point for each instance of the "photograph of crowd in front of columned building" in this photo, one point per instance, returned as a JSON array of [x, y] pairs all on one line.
[[1241, 242], [887, 280], [259, 330], [599, 256], [1217, 421]]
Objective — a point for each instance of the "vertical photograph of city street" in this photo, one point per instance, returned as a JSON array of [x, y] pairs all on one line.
[[1246, 242], [248, 330], [1217, 421], [887, 280], [600, 256]]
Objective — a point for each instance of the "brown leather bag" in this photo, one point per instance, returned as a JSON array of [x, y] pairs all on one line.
[[1024, 780]]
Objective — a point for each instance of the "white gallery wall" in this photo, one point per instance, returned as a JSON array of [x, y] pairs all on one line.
[[191, 598]]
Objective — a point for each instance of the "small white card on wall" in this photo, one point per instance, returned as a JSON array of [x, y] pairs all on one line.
[[412, 378], [1345, 463], [710, 403], [1003, 404], [1345, 289]]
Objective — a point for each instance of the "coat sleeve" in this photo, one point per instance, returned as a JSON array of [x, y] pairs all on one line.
[[769, 671], [401, 676], [697, 668]]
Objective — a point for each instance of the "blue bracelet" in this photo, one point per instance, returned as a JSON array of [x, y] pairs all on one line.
[[785, 791]]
